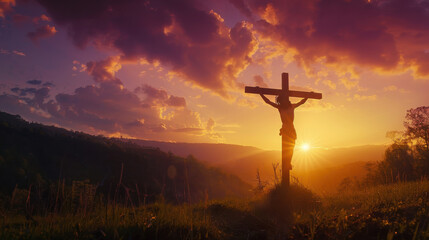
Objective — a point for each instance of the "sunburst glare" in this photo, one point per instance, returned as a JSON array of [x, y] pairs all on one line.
[[307, 155], [305, 147]]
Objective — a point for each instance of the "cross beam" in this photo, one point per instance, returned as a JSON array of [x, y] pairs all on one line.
[[285, 90], [287, 144], [272, 91]]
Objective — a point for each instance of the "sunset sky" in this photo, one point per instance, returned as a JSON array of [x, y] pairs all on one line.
[[175, 70]]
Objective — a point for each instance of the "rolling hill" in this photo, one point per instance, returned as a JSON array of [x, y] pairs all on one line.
[[36, 156]]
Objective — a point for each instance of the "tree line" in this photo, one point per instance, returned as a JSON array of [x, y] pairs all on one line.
[[52, 167], [406, 159]]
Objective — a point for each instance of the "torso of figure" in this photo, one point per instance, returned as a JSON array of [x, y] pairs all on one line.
[[286, 115]]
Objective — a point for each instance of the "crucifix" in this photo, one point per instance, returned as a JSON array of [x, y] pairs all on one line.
[[286, 113]]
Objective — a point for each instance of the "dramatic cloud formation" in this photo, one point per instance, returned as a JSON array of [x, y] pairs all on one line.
[[195, 43], [104, 71], [357, 52], [383, 35], [41, 32], [113, 108], [107, 106]]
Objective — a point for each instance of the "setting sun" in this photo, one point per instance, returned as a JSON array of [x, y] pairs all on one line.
[[305, 146]]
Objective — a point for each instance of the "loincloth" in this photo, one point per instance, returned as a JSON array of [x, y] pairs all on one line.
[[289, 132]]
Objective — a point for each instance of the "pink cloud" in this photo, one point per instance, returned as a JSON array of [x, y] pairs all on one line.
[[381, 35], [19, 53], [15, 52], [104, 71], [41, 18], [45, 31]]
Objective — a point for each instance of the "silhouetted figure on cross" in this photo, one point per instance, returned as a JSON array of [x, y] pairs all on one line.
[[286, 110], [287, 115]]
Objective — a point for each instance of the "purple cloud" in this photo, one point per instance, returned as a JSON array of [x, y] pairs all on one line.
[[23, 91], [193, 42], [34, 82], [384, 35], [107, 106]]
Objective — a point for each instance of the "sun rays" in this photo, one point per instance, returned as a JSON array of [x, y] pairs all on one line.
[[305, 147]]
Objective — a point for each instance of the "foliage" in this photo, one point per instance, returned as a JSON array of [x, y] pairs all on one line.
[[407, 158], [280, 202], [49, 163], [396, 211], [417, 126]]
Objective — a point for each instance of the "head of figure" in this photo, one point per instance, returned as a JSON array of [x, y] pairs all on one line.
[[283, 100]]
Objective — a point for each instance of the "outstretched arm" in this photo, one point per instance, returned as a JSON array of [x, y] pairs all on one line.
[[300, 103], [268, 101]]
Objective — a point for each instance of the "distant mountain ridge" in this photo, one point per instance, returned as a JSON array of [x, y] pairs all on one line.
[[204, 151], [225, 153], [313, 168], [33, 154], [31, 151]]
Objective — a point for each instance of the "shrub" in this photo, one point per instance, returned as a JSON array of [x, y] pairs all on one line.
[[281, 202]]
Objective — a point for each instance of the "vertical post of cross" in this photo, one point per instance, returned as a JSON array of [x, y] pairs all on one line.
[[286, 141], [288, 138], [285, 83]]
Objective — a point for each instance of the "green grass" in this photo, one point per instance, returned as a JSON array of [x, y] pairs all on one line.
[[399, 211]]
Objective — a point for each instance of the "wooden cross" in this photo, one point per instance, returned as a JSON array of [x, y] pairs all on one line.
[[287, 146]]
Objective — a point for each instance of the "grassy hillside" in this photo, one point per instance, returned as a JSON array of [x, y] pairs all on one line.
[[43, 158], [329, 179], [59, 184], [399, 211]]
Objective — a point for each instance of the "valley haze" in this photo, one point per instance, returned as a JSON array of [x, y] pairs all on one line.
[[321, 170]]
